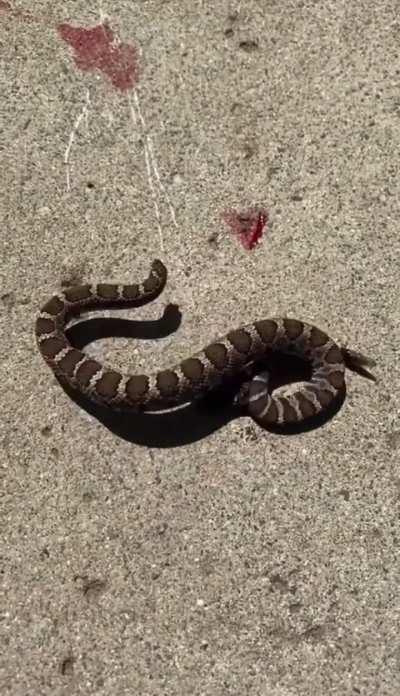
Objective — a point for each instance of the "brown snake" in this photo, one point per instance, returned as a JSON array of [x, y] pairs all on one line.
[[224, 358]]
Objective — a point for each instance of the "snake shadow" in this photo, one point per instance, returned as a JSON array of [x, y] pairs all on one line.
[[198, 419]]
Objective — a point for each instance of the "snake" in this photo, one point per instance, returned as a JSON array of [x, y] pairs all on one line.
[[235, 354]]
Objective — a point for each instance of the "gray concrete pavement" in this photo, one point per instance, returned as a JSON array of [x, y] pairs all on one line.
[[243, 562]]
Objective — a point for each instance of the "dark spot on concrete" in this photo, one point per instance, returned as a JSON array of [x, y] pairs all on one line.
[[231, 19], [46, 430], [279, 583], [233, 16], [250, 434], [162, 528], [8, 299], [93, 588], [249, 45], [394, 439], [316, 632], [295, 607], [67, 665], [297, 196], [212, 239]]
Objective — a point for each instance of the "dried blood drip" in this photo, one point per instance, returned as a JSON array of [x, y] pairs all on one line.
[[247, 225], [96, 49]]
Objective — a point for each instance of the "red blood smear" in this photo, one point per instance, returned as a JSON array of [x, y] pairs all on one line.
[[95, 49], [247, 225]]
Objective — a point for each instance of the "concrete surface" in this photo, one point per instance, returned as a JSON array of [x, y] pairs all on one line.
[[243, 562]]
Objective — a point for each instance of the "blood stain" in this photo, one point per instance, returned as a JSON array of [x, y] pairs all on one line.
[[96, 49], [247, 225]]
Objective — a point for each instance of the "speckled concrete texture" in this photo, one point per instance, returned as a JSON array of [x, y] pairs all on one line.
[[237, 561]]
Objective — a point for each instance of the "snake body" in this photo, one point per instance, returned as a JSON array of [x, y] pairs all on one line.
[[196, 375]]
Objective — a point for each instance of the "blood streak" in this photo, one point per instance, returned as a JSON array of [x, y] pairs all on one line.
[[96, 49], [247, 225]]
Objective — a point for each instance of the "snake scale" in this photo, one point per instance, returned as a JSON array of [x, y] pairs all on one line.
[[224, 358]]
